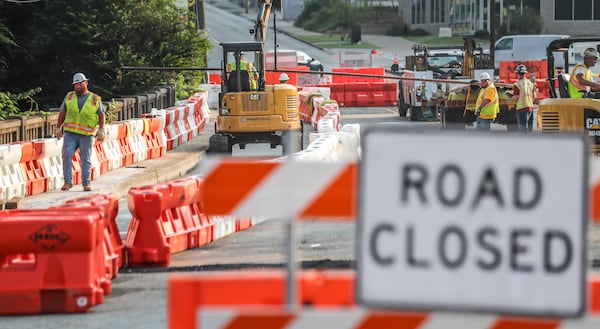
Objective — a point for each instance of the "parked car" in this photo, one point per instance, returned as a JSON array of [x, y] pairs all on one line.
[[285, 57]]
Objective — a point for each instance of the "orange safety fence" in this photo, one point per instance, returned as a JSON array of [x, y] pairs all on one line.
[[167, 218], [51, 260]]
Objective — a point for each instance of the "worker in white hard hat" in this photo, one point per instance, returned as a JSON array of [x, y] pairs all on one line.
[[581, 81], [487, 106], [81, 118], [283, 78], [524, 94]]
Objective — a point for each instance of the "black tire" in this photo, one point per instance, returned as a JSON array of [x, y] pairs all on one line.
[[291, 141], [402, 107]]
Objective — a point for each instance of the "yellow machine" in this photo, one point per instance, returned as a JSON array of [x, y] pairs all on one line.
[[559, 113], [252, 112], [460, 104]]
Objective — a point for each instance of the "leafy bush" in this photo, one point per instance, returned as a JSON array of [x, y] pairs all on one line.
[[11, 104]]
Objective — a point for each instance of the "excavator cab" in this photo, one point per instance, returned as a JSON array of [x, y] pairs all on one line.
[[559, 113]]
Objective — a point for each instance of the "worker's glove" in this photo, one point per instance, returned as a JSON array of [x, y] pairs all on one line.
[[58, 132], [100, 135]]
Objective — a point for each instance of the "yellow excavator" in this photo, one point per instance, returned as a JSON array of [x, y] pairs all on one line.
[[249, 110], [559, 113]]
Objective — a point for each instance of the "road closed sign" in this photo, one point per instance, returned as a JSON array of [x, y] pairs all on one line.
[[471, 221]]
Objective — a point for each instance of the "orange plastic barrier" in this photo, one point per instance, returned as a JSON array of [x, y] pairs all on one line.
[[337, 92], [114, 252], [100, 150], [167, 218], [379, 71], [32, 166], [52, 261], [215, 78], [124, 143], [370, 94], [315, 288], [152, 131], [507, 70]]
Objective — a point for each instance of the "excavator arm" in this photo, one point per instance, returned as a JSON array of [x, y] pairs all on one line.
[[262, 19]]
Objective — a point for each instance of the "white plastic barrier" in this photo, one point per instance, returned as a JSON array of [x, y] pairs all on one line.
[[191, 118], [212, 92], [112, 148], [52, 163], [137, 140], [183, 123], [349, 142], [12, 180]]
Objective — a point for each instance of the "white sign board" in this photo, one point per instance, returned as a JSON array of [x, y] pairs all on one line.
[[473, 222]]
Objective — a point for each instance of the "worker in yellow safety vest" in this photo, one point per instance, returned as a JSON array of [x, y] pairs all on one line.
[[486, 104], [524, 93], [581, 81], [81, 118], [245, 66]]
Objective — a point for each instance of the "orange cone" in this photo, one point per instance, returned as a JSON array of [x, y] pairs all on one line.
[[395, 68]]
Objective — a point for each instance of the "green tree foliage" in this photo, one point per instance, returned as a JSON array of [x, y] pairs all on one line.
[[54, 39], [325, 15]]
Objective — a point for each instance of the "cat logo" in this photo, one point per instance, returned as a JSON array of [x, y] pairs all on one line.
[[592, 123], [254, 97]]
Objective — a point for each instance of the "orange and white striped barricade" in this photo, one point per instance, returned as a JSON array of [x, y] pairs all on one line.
[[255, 295], [36, 179], [13, 183], [329, 109], [167, 218], [52, 162], [201, 110], [137, 140], [183, 122], [114, 251], [172, 128], [66, 274], [191, 111], [111, 147], [315, 115]]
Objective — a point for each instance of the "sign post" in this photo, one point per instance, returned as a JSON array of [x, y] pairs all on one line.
[[473, 222]]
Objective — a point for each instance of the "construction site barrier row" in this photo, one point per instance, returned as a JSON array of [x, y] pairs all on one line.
[[322, 290], [33, 167], [362, 94]]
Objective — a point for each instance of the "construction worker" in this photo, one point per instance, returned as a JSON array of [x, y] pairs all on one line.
[[245, 66], [82, 118], [283, 78], [524, 94], [581, 80], [487, 103]]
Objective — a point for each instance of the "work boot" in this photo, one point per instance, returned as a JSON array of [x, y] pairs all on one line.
[[66, 187], [87, 188]]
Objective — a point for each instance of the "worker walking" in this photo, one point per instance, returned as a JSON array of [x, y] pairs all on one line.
[[581, 81], [81, 118], [524, 94], [486, 104]]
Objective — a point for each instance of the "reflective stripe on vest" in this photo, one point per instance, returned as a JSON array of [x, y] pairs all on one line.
[[575, 87], [82, 122], [492, 108], [525, 90]]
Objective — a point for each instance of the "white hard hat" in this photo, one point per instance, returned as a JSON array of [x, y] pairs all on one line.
[[79, 77], [283, 77], [590, 52], [484, 76]]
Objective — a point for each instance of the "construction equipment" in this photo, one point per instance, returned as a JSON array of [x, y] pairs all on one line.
[[459, 106], [255, 114], [559, 113]]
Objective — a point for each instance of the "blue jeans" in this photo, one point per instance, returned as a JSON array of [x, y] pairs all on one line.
[[522, 121], [483, 124], [85, 144]]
